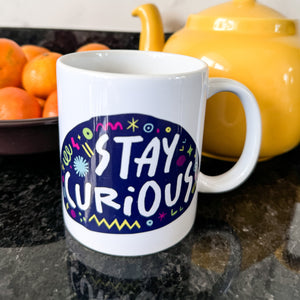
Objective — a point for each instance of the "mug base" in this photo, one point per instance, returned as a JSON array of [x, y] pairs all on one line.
[[137, 244]]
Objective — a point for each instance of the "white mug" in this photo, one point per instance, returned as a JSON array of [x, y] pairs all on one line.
[[130, 126]]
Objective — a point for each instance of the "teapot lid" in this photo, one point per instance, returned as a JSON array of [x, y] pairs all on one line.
[[243, 16]]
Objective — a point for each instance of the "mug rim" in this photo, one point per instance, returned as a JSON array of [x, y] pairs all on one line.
[[189, 65]]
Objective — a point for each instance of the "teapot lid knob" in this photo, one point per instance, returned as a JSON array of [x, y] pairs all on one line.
[[244, 1]]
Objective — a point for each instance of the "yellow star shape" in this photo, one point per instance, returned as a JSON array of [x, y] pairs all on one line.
[[132, 124]]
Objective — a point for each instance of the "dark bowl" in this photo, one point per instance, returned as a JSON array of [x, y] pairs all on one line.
[[28, 136]]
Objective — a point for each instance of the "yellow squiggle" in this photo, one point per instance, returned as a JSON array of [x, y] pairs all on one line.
[[67, 153], [114, 222]]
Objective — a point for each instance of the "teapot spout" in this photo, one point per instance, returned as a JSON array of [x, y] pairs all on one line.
[[152, 35]]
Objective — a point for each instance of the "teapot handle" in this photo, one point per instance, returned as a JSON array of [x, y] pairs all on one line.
[[248, 159]]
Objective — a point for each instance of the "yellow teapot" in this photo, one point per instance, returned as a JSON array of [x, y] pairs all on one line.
[[248, 42]]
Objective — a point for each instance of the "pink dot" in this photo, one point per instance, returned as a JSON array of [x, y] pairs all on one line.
[[180, 161], [73, 214], [157, 130]]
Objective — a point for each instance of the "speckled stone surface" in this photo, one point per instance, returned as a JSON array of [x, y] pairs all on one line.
[[244, 244], [66, 41]]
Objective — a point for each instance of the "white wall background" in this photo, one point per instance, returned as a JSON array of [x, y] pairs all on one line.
[[112, 15]]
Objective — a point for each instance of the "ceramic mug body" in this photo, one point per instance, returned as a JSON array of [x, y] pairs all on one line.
[[131, 126]]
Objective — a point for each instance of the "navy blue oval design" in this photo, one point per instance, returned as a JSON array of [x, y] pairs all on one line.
[[128, 173]]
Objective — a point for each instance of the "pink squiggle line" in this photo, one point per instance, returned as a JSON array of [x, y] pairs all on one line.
[[111, 125]]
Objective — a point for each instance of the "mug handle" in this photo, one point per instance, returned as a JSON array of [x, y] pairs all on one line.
[[248, 159]]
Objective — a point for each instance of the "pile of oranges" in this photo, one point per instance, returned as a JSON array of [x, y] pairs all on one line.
[[28, 80]]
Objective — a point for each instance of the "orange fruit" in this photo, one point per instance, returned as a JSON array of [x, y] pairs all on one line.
[[50, 107], [12, 61], [32, 51], [92, 46], [40, 101], [16, 103], [39, 74]]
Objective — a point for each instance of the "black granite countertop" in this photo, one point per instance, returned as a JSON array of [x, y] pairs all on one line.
[[245, 244]]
